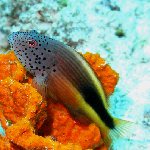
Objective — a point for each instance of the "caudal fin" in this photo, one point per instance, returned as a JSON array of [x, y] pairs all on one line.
[[127, 130]]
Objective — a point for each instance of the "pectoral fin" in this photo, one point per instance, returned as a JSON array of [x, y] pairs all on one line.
[[41, 85]]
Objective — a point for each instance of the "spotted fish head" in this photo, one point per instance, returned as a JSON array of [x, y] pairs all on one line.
[[33, 51]]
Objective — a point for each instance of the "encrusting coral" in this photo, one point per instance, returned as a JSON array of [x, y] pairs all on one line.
[[31, 122]]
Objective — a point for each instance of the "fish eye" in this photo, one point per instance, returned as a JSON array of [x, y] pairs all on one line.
[[32, 43]]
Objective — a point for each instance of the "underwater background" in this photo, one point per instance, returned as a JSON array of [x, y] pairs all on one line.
[[119, 30]]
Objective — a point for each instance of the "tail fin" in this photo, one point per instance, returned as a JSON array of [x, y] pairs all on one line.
[[127, 130]]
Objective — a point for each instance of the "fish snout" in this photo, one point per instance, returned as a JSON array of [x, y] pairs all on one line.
[[12, 37]]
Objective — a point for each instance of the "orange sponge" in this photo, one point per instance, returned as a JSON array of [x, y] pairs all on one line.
[[105, 73], [23, 111], [11, 67]]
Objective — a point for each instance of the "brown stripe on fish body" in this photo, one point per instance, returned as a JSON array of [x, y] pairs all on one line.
[[63, 90], [91, 97], [70, 66], [79, 76]]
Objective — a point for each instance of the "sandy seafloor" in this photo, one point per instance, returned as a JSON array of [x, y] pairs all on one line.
[[119, 30]]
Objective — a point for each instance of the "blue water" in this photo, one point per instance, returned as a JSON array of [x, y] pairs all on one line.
[[116, 29]]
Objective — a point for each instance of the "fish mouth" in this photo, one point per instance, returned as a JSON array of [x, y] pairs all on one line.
[[11, 39]]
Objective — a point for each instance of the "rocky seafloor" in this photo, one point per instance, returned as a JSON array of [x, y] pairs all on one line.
[[116, 29]]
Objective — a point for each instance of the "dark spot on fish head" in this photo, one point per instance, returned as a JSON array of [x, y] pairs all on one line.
[[54, 70]]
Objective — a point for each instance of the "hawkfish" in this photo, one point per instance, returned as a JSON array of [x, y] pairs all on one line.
[[61, 73]]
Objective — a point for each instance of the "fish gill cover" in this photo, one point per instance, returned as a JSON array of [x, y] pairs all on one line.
[[118, 30]]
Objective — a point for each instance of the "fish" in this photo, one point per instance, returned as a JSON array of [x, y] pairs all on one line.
[[60, 72]]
